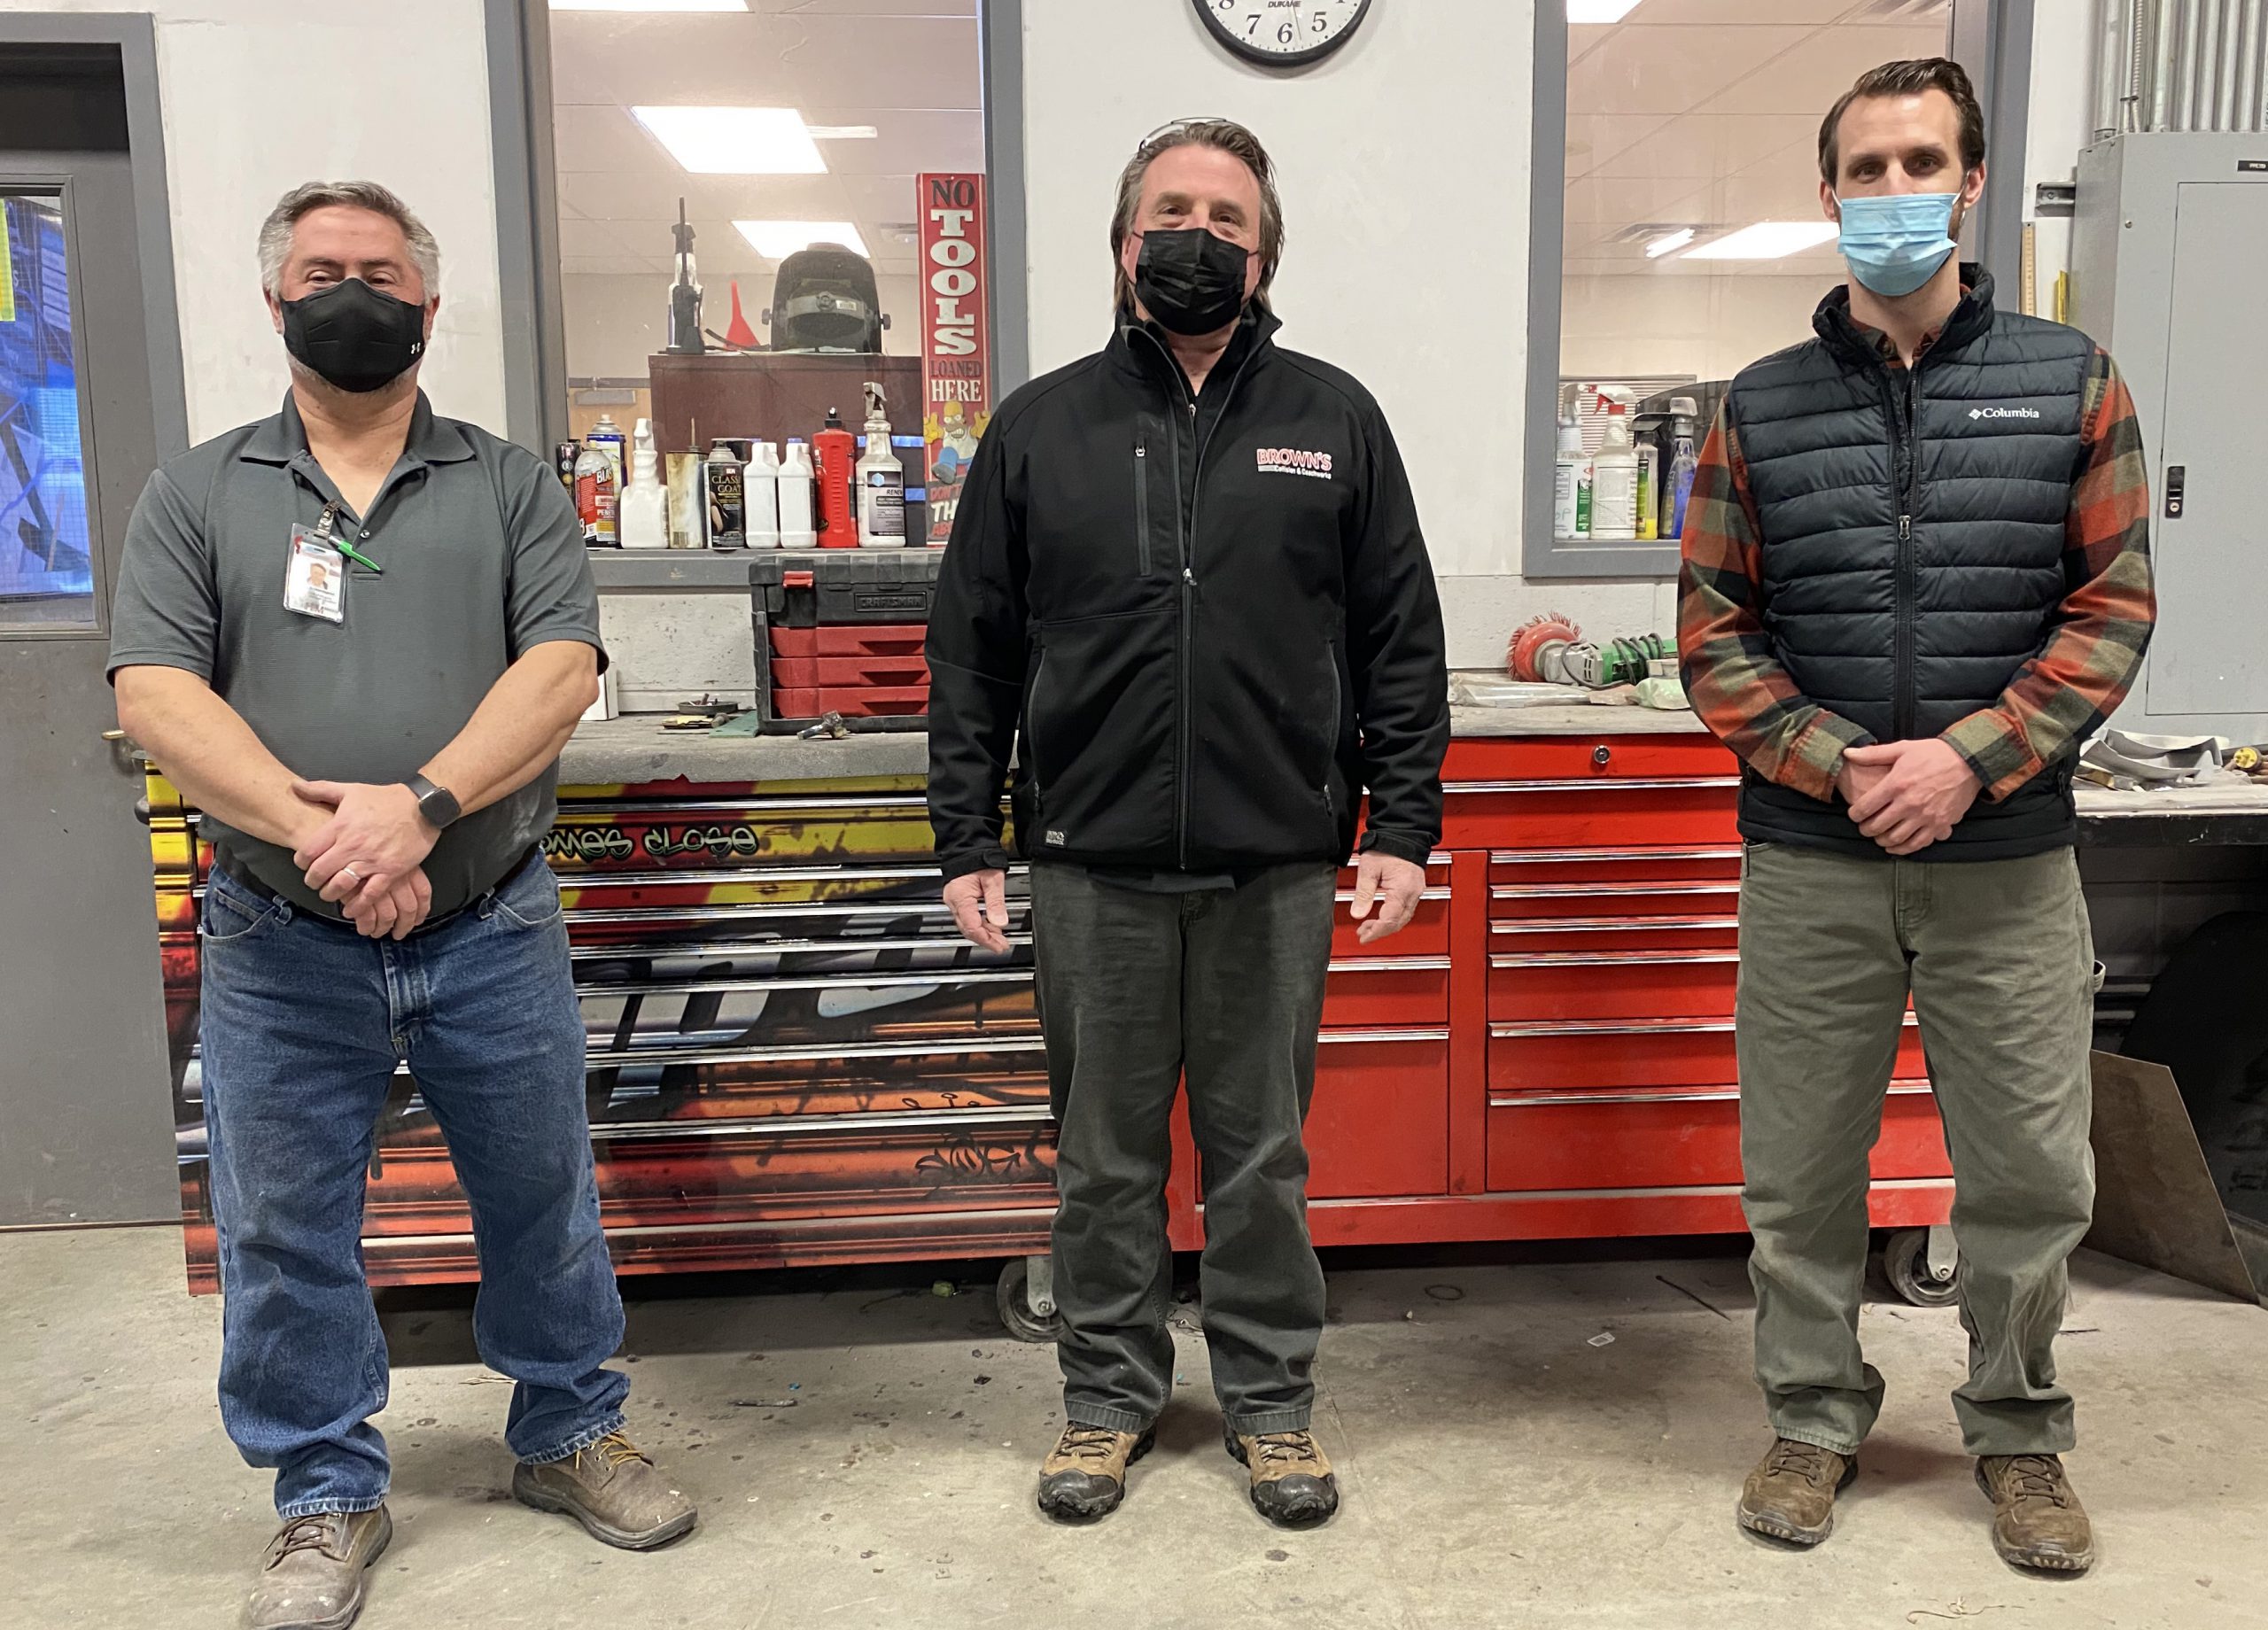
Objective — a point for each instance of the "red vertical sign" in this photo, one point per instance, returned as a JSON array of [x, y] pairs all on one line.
[[956, 337]]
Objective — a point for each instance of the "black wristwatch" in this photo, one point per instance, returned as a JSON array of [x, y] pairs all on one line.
[[436, 804]]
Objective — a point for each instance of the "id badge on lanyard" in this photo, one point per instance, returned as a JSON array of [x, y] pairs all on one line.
[[314, 573]]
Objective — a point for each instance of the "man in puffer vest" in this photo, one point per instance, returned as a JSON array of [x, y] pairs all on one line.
[[1916, 578]]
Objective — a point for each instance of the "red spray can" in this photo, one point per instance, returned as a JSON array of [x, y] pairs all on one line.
[[834, 450]]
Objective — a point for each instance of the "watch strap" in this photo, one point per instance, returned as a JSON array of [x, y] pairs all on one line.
[[436, 803]]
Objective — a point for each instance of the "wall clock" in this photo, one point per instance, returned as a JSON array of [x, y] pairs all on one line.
[[1282, 34]]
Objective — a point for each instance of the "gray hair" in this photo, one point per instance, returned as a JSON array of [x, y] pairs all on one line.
[[1229, 137], [305, 200]]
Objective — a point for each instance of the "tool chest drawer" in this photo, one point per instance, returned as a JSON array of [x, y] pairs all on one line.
[[1672, 1139], [1637, 1056], [1610, 984], [1379, 1120]]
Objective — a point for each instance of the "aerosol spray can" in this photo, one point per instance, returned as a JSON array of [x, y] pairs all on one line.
[[727, 497], [595, 499], [607, 437], [563, 460]]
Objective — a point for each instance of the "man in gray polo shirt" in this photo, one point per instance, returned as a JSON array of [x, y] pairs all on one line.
[[356, 635]]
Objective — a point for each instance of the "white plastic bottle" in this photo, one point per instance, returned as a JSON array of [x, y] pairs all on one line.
[[763, 482], [796, 477], [1614, 481], [1570, 479], [882, 483], [642, 515]]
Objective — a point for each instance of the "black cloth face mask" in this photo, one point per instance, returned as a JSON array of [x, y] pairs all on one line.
[[1191, 282], [354, 336]]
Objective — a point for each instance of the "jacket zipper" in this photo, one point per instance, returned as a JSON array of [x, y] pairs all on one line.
[[1031, 736], [1903, 701], [1142, 503], [1186, 536]]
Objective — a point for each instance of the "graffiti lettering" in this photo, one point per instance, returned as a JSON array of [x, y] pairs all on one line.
[[966, 1159], [718, 843], [586, 844]]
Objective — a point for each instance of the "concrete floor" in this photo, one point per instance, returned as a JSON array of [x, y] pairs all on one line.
[[1498, 1468]]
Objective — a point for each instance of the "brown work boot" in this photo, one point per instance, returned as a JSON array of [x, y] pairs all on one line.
[[1791, 1495], [2038, 1522], [312, 1579], [613, 1490], [1292, 1485], [1085, 1475]]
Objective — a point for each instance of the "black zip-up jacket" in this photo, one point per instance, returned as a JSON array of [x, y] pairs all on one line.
[[1213, 619]]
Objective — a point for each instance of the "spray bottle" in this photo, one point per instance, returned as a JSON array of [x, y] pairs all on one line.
[[1684, 422], [1571, 481], [882, 481], [1614, 480], [833, 451], [643, 514], [795, 479]]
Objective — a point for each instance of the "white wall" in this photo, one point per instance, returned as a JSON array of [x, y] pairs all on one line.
[[1404, 164], [2060, 120], [261, 95], [616, 321]]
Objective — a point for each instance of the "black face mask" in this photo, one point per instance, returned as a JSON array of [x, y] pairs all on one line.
[[1191, 282], [354, 336]]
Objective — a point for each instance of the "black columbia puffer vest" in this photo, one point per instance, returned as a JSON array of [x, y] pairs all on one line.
[[1913, 537]]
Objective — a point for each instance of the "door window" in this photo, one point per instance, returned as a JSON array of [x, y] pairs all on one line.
[[47, 568]]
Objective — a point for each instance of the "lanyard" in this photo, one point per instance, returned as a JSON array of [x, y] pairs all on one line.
[[323, 534]]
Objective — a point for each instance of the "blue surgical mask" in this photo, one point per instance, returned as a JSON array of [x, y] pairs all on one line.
[[1895, 241]]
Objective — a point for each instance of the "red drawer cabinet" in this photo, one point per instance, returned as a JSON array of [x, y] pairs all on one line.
[[792, 1057]]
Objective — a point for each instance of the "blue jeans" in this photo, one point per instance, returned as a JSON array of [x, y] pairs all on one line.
[[304, 1023]]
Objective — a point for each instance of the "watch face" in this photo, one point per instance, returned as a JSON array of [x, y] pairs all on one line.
[[1282, 33]]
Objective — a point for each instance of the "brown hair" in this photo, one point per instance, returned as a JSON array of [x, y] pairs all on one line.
[[1230, 137], [1907, 79]]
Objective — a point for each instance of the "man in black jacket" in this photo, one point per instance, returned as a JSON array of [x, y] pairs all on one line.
[[1188, 570]]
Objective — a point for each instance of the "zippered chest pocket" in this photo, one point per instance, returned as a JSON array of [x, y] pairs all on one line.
[[1142, 502]]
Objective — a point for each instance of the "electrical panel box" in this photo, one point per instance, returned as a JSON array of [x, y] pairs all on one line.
[[2169, 265]]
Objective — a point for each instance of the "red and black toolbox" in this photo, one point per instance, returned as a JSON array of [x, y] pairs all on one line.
[[841, 631]]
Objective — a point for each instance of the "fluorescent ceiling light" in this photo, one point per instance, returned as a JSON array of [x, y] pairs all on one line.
[[649, 5], [843, 133], [776, 240], [735, 141], [1767, 240], [1587, 10], [1668, 241]]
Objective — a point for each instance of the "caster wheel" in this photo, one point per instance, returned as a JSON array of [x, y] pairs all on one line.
[[1014, 1301], [1906, 1264]]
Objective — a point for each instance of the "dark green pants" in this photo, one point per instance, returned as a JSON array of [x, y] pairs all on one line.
[[1998, 959], [1136, 991]]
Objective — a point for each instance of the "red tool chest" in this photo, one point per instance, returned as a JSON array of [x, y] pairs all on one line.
[[793, 1058]]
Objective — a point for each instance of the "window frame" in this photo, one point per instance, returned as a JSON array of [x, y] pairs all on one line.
[[531, 298], [1991, 38]]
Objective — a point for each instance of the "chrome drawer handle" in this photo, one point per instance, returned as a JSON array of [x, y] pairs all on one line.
[[1626, 783], [1640, 1095]]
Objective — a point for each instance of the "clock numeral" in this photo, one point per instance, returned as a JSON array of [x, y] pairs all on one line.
[[1252, 25], [1322, 23], [1283, 35]]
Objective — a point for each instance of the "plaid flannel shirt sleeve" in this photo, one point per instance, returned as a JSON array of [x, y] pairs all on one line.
[[1732, 677], [2098, 633]]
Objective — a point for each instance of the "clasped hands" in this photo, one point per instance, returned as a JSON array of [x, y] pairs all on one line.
[[367, 853], [1906, 796]]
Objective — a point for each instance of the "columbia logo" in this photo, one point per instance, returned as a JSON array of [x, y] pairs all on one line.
[[1057, 839], [2004, 413]]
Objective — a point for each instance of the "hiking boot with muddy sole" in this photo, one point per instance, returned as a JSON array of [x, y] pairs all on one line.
[[1083, 1478], [1791, 1495]]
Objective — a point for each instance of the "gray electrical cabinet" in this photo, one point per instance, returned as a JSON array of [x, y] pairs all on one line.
[[2170, 274]]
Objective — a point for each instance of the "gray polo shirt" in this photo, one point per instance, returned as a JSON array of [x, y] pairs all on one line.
[[482, 559]]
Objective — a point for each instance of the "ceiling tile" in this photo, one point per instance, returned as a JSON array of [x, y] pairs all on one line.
[[1671, 70], [1699, 146], [1823, 66], [1594, 138]]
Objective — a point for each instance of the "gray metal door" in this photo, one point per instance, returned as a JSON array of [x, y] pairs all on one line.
[[2207, 655], [86, 1130]]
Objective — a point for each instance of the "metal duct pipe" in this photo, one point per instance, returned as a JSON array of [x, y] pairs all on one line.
[[2252, 69], [2224, 76], [2110, 34], [2204, 114], [2164, 30], [2185, 69]]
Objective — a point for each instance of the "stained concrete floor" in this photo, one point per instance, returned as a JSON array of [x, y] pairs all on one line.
[[864, 1456]]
